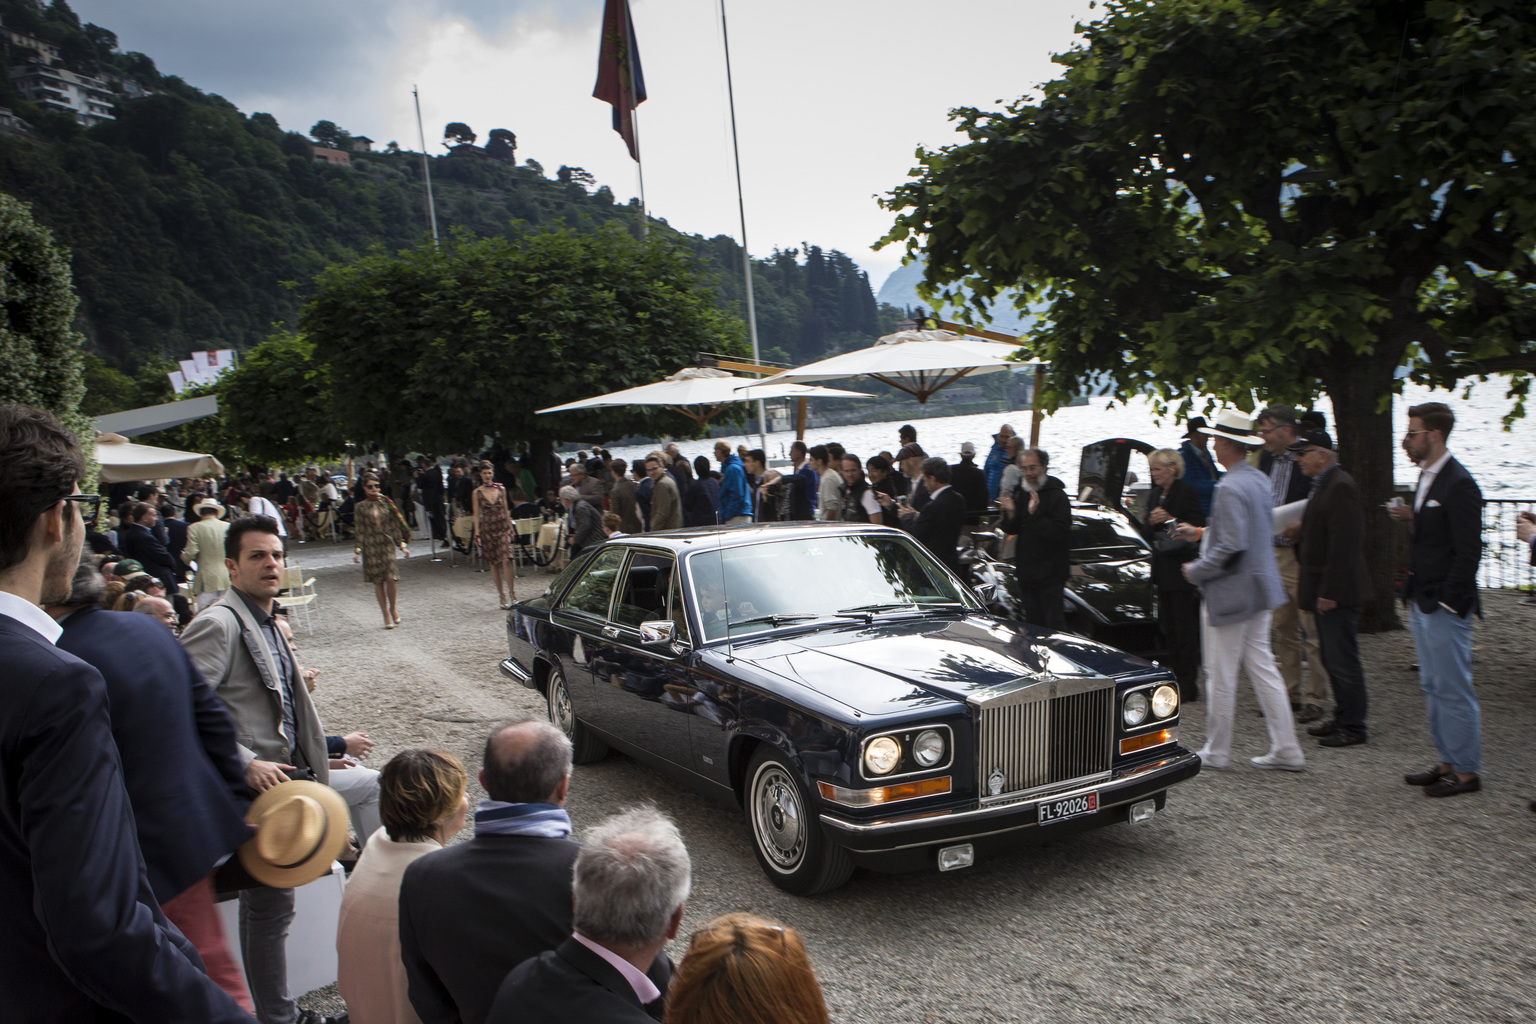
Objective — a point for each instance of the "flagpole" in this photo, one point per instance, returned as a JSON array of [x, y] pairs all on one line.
[[634, 114], [426, 170], [741, 206]]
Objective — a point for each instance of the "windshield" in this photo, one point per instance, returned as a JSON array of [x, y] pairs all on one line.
[[1105, 537], [760, 586]]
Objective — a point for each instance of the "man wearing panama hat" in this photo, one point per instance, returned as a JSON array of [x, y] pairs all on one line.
[[205, 546], [1240, 585]]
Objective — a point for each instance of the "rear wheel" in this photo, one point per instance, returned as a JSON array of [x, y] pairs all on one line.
[[786, 833], [585, 747]]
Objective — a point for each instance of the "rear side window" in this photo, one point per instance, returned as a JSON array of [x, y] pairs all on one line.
[[643, 596], [591, 593]]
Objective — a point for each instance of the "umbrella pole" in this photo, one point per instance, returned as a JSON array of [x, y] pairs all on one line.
[[1034, 406]]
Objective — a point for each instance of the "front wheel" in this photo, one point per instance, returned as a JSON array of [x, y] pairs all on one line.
[[786, 833], [585, 748]]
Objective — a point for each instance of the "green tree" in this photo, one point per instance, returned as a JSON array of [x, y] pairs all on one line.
[[502, 145], [1260, 202], [459, 134], [446, 346], [326, 133], [106, 389], [40, 362], [278, 402]]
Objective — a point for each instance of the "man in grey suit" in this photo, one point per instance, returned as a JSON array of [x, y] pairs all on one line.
[[1240, 584], [237, 646]]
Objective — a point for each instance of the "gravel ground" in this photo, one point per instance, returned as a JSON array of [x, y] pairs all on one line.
[[1256, 896]]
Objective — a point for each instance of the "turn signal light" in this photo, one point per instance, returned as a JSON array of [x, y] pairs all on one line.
[[1151, 739], [884, 794]]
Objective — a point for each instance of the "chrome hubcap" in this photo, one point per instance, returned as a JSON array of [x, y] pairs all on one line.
[[559, 705], [778, 818]]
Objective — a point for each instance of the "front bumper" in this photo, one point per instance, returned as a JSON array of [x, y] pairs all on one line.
[[902, 840]]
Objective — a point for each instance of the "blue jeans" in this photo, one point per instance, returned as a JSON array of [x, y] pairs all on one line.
[[1444, 645]]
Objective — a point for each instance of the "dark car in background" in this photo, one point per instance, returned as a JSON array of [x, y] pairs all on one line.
[[845, 690]]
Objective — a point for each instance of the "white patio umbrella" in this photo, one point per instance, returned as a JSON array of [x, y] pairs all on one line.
[[917, 362], [122, 460], [702, 393]]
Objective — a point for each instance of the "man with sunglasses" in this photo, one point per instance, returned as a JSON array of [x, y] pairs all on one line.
[[84, 938]]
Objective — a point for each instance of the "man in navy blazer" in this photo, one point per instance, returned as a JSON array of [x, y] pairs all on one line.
[[177, 746], [84, 938], [138, 540], [1441, 591], [939, 522]]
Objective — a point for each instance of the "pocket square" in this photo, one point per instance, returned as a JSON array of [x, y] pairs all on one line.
[[1431, 503]]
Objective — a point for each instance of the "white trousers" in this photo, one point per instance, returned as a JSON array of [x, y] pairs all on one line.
[[359, 787], [1226, 648]]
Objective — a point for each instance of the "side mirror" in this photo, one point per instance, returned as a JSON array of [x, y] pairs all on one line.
[[657, 633], [985, 591]]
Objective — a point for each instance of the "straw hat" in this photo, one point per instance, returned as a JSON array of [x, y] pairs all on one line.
[[300, 829], [208, 503], [1234, 426]]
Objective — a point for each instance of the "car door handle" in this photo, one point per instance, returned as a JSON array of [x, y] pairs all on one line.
[[611, 632]]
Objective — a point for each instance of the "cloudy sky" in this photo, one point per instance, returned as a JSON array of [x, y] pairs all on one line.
[[832, 96]]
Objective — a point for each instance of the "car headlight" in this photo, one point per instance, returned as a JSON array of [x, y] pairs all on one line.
[[1165, 701], [1134, 711], [882, 756], [928, 748]]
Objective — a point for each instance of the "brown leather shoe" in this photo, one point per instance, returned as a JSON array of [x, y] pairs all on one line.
[[1309, 713]]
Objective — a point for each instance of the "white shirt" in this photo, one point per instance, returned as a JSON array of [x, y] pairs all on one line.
[[1427, 479], [260, 506], [644, 988], [31, 616]]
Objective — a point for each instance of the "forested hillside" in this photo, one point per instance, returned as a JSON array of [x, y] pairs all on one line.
[[193, 225]]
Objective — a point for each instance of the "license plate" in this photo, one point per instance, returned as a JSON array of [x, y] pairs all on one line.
[[1071, 807]]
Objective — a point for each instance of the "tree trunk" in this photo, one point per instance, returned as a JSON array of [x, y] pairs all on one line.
[[1367, 448], [539, 450]]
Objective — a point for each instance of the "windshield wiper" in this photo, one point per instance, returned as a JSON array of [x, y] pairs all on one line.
[[869, 609], [782, 618]]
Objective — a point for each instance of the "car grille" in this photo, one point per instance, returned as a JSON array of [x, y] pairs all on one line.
[[1043, 743]]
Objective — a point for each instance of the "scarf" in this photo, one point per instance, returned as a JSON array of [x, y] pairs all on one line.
[[496, 818]]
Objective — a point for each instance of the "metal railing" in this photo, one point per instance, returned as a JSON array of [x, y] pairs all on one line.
[[1506, 561]]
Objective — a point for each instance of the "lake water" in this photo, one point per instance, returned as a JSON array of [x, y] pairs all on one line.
[[1504, 463]]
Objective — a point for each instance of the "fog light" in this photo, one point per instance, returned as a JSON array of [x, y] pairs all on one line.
[[953, 858], [1142, 810]]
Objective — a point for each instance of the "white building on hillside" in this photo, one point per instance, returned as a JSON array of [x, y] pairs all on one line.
[[89, 100]]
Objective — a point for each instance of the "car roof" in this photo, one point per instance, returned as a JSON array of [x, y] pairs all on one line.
[[695, 538]]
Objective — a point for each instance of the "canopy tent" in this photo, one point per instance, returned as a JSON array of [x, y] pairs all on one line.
[[157, 417], [701, 393], [121, 460], [917, 362]]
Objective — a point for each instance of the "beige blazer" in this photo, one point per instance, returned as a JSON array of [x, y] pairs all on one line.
[[205, 546], [226, 644], [369, 972]]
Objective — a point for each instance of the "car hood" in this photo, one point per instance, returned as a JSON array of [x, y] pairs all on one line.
[[909, 665]]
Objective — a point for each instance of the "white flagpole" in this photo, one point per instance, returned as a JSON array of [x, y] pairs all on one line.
[[426, 170], [741, 206]]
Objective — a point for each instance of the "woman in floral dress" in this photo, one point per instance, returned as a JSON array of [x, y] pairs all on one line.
[[380, 530], [493, 528]]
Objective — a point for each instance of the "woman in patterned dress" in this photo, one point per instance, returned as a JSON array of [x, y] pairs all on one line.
[[380, 528], [493, 528]]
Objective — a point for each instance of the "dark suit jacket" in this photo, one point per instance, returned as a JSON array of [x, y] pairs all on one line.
[[176, 742], [1331, 548], [621, 502], [1296, 488], [176, 531], [83, 939], [1183, 503], [138, 542], [472, 912], [938, 525], [1447, 543], [967, 478], [1042, 552], [572, 983]]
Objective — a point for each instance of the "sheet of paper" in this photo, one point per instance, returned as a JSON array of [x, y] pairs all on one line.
[[1285, 515]]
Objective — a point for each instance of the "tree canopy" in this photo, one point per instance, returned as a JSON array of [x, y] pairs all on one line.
[[279, 402], [438, 348], [40, 361], [1259, 201]]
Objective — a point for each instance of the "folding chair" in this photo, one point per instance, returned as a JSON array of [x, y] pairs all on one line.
[[301, 593]]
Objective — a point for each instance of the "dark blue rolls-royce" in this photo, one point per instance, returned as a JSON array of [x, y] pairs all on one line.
[[848, 692]]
